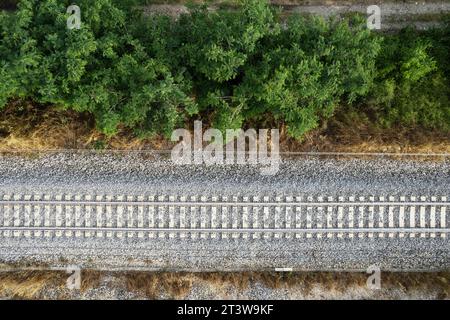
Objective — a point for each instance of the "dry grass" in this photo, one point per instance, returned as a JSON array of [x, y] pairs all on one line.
[[177, 285], [341, 281], [29, 284], [349, 132], [33, 284], [90, 279], [24, 127], [338, 281], [419, 282]]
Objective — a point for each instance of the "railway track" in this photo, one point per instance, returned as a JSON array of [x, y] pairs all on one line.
[[213, 217]]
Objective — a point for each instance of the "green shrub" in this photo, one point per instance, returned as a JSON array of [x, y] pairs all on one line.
[[100, 68], [305, 72], [233, 68], [411, 88], [246, 67]]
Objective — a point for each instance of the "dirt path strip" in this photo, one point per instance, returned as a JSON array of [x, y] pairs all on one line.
[[394, 15]]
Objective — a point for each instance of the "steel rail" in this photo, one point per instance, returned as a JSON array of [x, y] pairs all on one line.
[[219, 204], [231, 230]]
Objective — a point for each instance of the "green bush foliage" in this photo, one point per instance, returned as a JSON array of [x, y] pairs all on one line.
[[412, 87], [245, 66], [302, 74], [101, 68], [231, 67]]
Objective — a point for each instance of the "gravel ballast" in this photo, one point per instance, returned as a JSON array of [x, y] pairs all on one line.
[[137, 174]]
